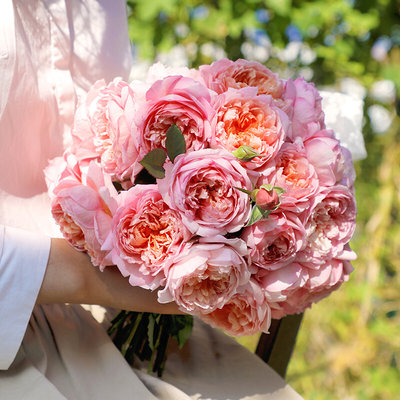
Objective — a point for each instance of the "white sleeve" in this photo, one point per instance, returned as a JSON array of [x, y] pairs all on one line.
[[23, 261]]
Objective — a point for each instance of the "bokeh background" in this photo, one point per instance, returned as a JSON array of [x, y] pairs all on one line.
[[349, 344]]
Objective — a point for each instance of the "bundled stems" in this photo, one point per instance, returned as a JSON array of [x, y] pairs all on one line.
[[146, 336]]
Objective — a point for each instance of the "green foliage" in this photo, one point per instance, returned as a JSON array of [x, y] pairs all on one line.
[[145, 336], [181, 328], [256, 214], [153, 161], [246, 153], [348, 346], [175, 142]]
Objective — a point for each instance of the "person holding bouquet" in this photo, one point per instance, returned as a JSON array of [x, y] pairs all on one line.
[[51, 52]]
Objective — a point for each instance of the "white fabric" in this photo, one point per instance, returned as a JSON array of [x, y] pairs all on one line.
[[50, 52], [64, 354], [63, 47], [21, 274], [7, 51]]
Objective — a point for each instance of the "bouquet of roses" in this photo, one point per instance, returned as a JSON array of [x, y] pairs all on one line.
[[220, 187]]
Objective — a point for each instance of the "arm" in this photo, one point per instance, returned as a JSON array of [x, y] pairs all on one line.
[[71, 278], [29, 274]]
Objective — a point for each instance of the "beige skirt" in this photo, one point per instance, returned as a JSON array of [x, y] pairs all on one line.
[[66, 354]]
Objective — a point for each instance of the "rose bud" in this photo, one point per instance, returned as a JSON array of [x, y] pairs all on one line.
[[267, 200]]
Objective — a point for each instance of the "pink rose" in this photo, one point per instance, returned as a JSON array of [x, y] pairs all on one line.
[[296, 175], [201, 186], [159, 71], [330, 225], [305, 105], [175, 100], [104, 128], [345, 173], [59, 168], [325, 154], [275, 240], [247, 313], [71, 232], [277, 283], [206, 275], [245, 119], [146, 236], [224, 74], [267, 200], [292, 289], [82, 204]]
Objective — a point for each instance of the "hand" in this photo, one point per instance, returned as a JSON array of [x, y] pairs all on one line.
[[71, 278]]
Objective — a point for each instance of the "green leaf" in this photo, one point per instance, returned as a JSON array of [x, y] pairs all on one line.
[[184, 333], [181, 328], [246, 153], [150, 331], [265, 213], [153, 161], [175, 142], [256, 214]]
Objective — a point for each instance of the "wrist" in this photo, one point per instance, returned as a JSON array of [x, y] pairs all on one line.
[[65, 279]]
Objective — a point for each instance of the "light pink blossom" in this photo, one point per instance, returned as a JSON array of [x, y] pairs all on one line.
[[292, 289], [206, 275], [296, 175], [247, 313], [324, 152], [345, 173], [274, 241], [330, 224], [146, 236], [245, 119], [303, 103], [104, 128], [159, 71], [201, 186], [224, 74], [175, 100], [83, 202]]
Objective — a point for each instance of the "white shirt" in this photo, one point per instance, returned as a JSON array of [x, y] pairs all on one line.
[[50, 52]]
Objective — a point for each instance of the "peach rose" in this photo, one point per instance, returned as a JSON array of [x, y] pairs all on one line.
[[330, 225], [245, 119], [274, 241], [83, 201], [205, 276], [175, 100], [247, 313], [296, 175], [303, 103], [104, 128], [201, 186], [292, 289], [146, 236], [224, 74]]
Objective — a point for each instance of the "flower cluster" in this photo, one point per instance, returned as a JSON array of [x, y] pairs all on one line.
[[219, 187]]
